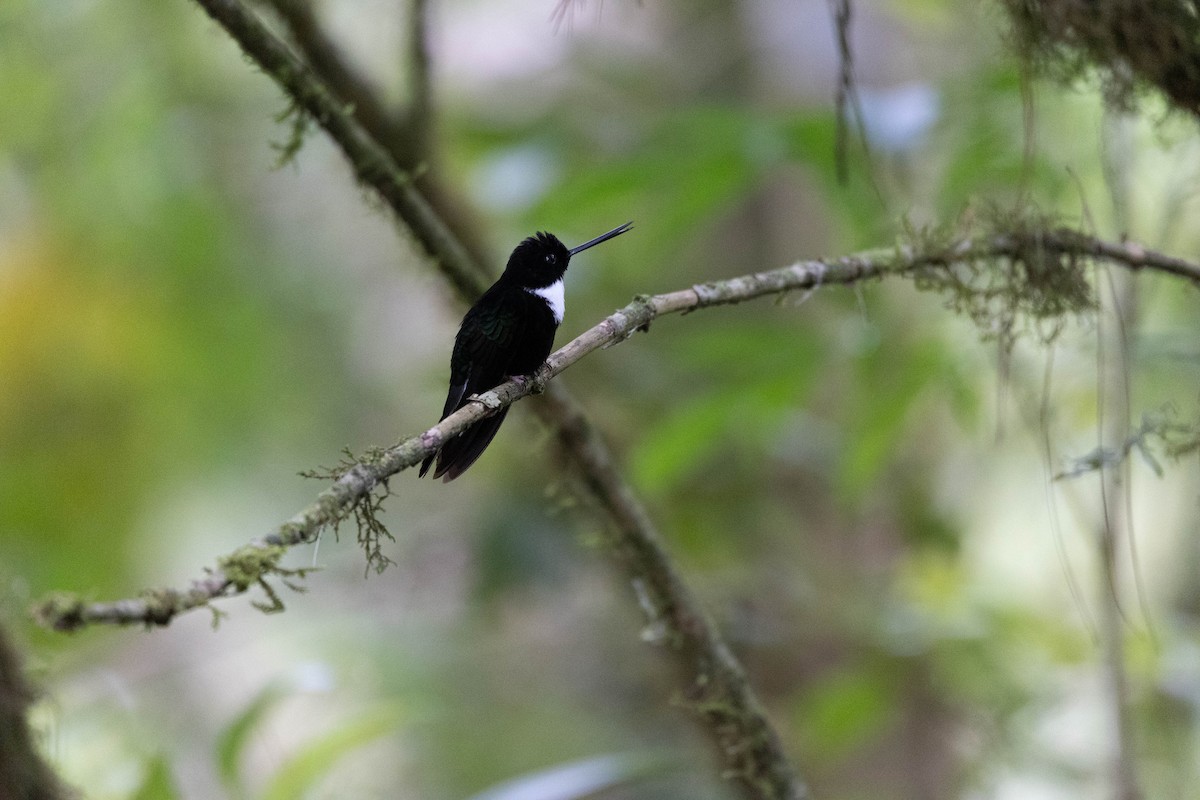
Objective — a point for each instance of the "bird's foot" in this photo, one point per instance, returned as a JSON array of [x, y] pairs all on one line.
[[535, 383]]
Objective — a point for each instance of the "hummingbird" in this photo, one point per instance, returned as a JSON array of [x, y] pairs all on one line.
[[507, 333]]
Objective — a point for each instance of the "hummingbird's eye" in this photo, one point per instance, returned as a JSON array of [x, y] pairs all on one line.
[[550, 258]]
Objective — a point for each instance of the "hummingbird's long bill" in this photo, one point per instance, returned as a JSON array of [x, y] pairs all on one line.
[[509, 331], [604, 237]]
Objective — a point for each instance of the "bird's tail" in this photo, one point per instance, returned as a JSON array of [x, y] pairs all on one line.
[[462, 451]]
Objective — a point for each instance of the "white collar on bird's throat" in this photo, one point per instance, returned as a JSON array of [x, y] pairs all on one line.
[[555, 297]]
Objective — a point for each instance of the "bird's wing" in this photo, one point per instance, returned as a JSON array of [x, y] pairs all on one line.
[[483, 351]]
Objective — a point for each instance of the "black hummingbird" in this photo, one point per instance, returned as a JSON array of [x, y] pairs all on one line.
[[508, 332]]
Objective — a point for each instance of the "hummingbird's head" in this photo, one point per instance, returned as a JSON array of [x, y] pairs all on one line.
[[541, 260]]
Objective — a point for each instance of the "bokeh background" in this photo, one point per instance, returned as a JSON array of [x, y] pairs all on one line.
[[857, 485]]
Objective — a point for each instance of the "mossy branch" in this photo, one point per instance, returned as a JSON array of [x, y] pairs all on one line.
[[1057, 255], [372, 163], [1160, 433], [714, 685], [452, 254]]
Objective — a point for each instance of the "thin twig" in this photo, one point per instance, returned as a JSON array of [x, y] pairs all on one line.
[[419, 113], [749, 750], [841, 10], [770, 778], [1127, 254], [847, 99], [1113, 411], [714, 685], [358, 480]]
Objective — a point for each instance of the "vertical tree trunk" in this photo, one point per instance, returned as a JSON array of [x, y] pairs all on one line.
[[23, 773]]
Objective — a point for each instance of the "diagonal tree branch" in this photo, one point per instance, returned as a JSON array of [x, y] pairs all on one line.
[[1127, 254], [406, 133], [235, 574], [371, 162], [388, 128], [714, 684], [774, 776]]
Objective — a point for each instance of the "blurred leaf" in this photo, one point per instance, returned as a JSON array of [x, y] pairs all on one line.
[[984, 146], [896, 376], [678, 168], [841, 712], [233, 740], [746, 348], [925, 523], [690, 437], [681, 442], [578, 779], [687, 164], [157, 784], [136, 344], [520, 546], [304, 770], [732, 382]]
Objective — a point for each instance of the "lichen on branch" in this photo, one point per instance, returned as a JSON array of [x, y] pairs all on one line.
[[1025, 281], [996, 279]]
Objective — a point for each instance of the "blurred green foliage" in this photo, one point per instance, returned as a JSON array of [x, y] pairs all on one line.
[[157, 784], [143, 326], [854, 481]]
